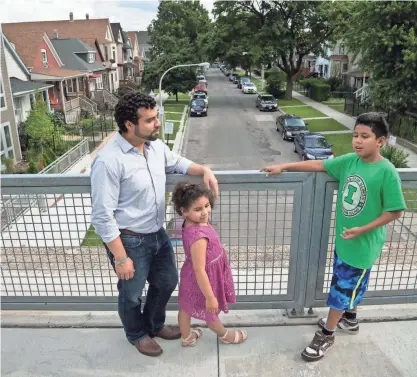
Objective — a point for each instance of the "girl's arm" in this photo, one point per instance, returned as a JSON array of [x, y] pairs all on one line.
[[198, 257]]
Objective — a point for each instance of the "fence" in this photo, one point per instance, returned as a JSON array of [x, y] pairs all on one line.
[[400, 124], [278, 233]]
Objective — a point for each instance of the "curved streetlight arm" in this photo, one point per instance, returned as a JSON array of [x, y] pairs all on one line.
[[160, 93]]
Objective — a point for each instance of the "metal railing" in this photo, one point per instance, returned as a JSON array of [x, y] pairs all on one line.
[[68, 159], [87, 104], [278, 233]]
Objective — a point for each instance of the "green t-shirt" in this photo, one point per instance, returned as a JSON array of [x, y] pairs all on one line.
[[366, 191]]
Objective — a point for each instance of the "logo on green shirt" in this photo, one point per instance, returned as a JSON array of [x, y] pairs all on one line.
[[354, 194]]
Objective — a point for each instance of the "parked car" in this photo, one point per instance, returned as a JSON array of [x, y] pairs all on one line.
[[266, 102], [236, 79], [198, 107], [233, 76], [312, 146], [201, 78], [290, 126], [242, 80], [201, 95], [200, 88], [249, 87]]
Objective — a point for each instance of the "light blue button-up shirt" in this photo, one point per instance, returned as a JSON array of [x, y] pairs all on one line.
[[128, 190]]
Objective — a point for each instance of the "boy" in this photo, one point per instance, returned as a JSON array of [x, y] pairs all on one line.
[[369, 197]]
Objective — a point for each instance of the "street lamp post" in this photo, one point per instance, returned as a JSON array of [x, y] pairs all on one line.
[[162, 116]]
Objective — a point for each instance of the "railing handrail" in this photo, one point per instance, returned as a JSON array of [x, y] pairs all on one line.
[[61, 158], [88, 103]]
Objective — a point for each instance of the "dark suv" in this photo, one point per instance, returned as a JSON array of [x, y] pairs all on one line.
[[290, 125], [266, 102]]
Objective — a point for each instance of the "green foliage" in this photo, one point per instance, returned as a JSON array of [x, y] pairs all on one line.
[[8, 164], [39, 127], [275, 31], [274, 85], [398, 157], [178, 35], [32, 167], [384, 33]]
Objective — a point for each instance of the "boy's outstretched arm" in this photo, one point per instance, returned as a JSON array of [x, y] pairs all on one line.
[[308, 166], [382, 220]]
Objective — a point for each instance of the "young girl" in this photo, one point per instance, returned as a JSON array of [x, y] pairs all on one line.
[[206, 283]]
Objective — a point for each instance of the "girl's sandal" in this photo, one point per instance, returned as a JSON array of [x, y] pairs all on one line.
[[240, 337], [191, 340]]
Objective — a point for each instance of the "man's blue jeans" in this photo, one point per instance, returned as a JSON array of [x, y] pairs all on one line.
[[154, 261]]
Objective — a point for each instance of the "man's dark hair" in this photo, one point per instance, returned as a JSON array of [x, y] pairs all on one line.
[[376, 122], [128, 106], [186, 193]]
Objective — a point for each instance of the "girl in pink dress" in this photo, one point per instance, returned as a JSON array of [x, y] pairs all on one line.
[[206, 284]]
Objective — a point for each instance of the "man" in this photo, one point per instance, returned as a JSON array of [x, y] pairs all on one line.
[[128, 200]]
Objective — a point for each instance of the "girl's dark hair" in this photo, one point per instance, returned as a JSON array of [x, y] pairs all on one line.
[[186, 193]]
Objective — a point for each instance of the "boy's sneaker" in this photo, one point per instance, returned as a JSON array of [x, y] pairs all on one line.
[[318, 347], [350, 326]]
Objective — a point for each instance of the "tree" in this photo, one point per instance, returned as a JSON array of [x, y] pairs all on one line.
[[177, 37], [387, 44], [284, 31], [39, 127]]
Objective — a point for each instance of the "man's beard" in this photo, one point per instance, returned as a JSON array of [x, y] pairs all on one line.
[[151, 137]]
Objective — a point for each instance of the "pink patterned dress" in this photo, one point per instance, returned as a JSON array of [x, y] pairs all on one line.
[[190, 298]]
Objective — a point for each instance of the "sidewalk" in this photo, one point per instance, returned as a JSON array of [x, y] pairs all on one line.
[[82, 344], [348, 121], [386, 349]]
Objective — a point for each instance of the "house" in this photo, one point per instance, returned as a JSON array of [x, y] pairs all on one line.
[[346, 65], [125, 55], [96, 33], [315, 64], [9, 136], [137, 60], [23, 89], [144, 45]]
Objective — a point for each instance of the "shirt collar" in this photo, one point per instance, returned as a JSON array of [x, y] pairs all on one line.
[[125, 145]]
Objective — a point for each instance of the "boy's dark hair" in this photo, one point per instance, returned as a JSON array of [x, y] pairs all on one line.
[[376, 122], [128, 106], [186, 193]]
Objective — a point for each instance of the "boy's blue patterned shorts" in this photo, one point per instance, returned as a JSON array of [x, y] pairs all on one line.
[[348, 285]]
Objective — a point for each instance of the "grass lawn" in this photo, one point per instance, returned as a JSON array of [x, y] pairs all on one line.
[[337, 104], [410, 196], [169, 116], [304, 112], [289, 102], [319, 125], [342, 143], [91, 239]]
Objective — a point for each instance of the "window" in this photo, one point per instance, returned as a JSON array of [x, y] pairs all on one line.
[[108, 36], [114, 53], [106, 53], [344, 67], [99, 82], [6, 141], [342, 49], [44, 58], [91, 57], [2, 97]]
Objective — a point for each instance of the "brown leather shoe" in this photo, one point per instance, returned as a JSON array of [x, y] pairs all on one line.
[[147, 346], [169, 333]]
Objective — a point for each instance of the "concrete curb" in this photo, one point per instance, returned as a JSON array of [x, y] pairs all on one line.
[[407, 144], [237, 318]]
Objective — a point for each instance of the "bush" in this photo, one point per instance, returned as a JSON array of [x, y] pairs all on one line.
[[274, 84], [398, 157], [335, 82], [319, 92], [299, 77], [275, 72], [32, 168], [8, 164]]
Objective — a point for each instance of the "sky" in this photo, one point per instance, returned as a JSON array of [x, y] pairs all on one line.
[[133, 15]]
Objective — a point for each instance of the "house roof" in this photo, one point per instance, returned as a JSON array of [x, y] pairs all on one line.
[[355, 73], [20, 87], [71, 52], [133, 37], [125, 40], [15, 55], [59, 73], [143, 37], [26, 36], [116, 28]]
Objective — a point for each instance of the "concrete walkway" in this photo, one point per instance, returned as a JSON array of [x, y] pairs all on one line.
[[386, 349]]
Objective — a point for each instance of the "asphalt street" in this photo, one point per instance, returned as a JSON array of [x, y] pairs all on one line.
[[235, 135]]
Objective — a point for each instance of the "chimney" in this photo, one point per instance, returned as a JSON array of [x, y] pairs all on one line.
[[55, 34], [71, 16], [87, 16]]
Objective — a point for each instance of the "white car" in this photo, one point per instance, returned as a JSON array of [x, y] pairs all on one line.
[[249, 87], [201, 78]]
